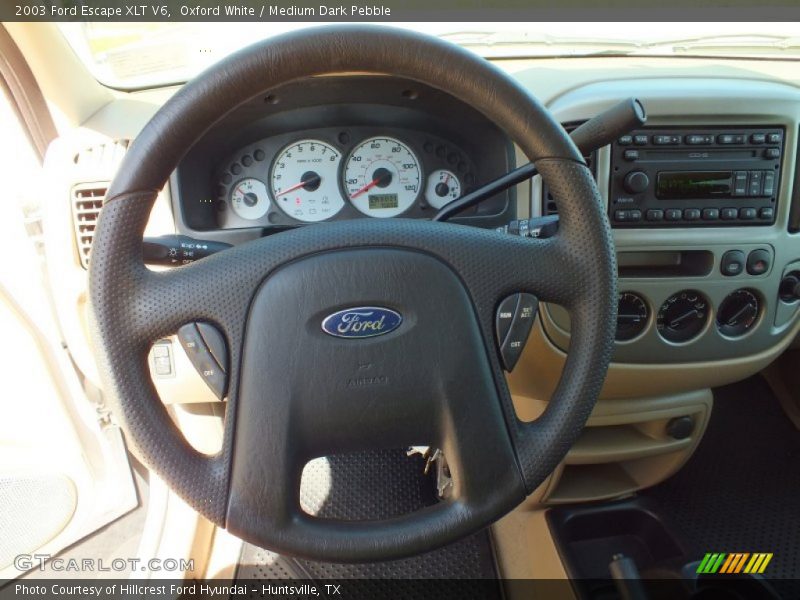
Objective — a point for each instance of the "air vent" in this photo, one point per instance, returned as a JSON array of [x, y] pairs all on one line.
[[87, 200], [548, 203], [104, 156]]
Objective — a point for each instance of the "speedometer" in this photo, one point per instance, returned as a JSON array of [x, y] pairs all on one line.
[[304, 180], [382, 177]]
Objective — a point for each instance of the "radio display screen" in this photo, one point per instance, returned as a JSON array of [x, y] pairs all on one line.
[[695, 185]]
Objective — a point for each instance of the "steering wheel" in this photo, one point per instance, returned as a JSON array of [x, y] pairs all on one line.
[[297, 393]]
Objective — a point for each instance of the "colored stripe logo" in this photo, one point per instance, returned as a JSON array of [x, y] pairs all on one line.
[[737, 562]]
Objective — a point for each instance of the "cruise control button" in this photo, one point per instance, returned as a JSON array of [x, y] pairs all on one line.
[[758, 261], [201, 356], [505, 316], [732, 263], [512, 347]]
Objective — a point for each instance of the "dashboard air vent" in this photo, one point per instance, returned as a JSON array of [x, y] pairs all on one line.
[[548, 203], [87, 200]]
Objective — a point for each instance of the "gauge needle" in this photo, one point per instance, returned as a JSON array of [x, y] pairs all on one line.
[[297, 186], [675, 322], [370, 185]]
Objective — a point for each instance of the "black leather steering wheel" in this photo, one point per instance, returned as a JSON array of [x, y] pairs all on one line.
[[435, 380]]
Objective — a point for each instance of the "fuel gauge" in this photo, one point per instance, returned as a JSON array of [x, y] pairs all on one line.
[[442, 187]]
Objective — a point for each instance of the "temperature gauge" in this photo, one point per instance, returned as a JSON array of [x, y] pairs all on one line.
[[249, 199], [443, 187]]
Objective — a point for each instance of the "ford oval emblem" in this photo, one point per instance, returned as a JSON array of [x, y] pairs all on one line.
[[362, 322]]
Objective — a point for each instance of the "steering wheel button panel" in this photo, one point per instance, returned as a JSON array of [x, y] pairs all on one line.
[[505, 316], [193, 339], [513, 343]]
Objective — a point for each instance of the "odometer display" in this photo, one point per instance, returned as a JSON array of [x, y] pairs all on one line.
[[382, 177], [382, 201]]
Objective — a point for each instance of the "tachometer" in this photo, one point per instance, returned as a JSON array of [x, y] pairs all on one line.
[[382, 177], [304, 180], [249, 199]]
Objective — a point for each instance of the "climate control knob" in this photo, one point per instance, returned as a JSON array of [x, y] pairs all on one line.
[[636, 182]]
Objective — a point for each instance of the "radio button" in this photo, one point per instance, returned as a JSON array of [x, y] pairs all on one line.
[[774, 138], [769, 184], [667, 140], [767, 213], [772, 153], [631, 155], [730, 138], [739, 183], [699, 140], [621, 215], [625, 140], [729, 214], [636, 182], [747, 214], [673, 214], [756, 179], [634, 215], [691, 214], [758, 138], [710, 214], [640, 140], [732, 263], [655, 214]]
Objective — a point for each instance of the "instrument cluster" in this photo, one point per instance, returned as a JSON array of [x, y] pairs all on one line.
[[340, 173]]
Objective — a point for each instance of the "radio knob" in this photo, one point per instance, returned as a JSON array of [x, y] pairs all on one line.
[[636, 182]]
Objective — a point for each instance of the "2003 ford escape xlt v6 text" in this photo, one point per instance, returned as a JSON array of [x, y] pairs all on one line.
[[356, 303]]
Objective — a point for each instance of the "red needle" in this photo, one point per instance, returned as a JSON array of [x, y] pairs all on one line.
[[239, 189], [371, 184], [293, 188]]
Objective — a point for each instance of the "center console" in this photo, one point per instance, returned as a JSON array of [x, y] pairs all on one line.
[[695, 177]]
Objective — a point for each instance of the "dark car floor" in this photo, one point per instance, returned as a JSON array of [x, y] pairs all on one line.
[[740, 491]]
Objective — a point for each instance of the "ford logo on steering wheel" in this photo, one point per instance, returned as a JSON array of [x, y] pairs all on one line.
[[362, 322]]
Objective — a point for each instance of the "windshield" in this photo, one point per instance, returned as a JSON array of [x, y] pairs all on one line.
[[131, 55]]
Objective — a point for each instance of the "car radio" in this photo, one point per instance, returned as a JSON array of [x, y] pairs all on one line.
[[698, 177]]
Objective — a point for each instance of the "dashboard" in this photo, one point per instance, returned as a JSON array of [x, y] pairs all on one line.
[[341, 148]]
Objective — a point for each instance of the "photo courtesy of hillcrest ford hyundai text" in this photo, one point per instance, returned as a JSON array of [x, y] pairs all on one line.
[[398, 299]]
